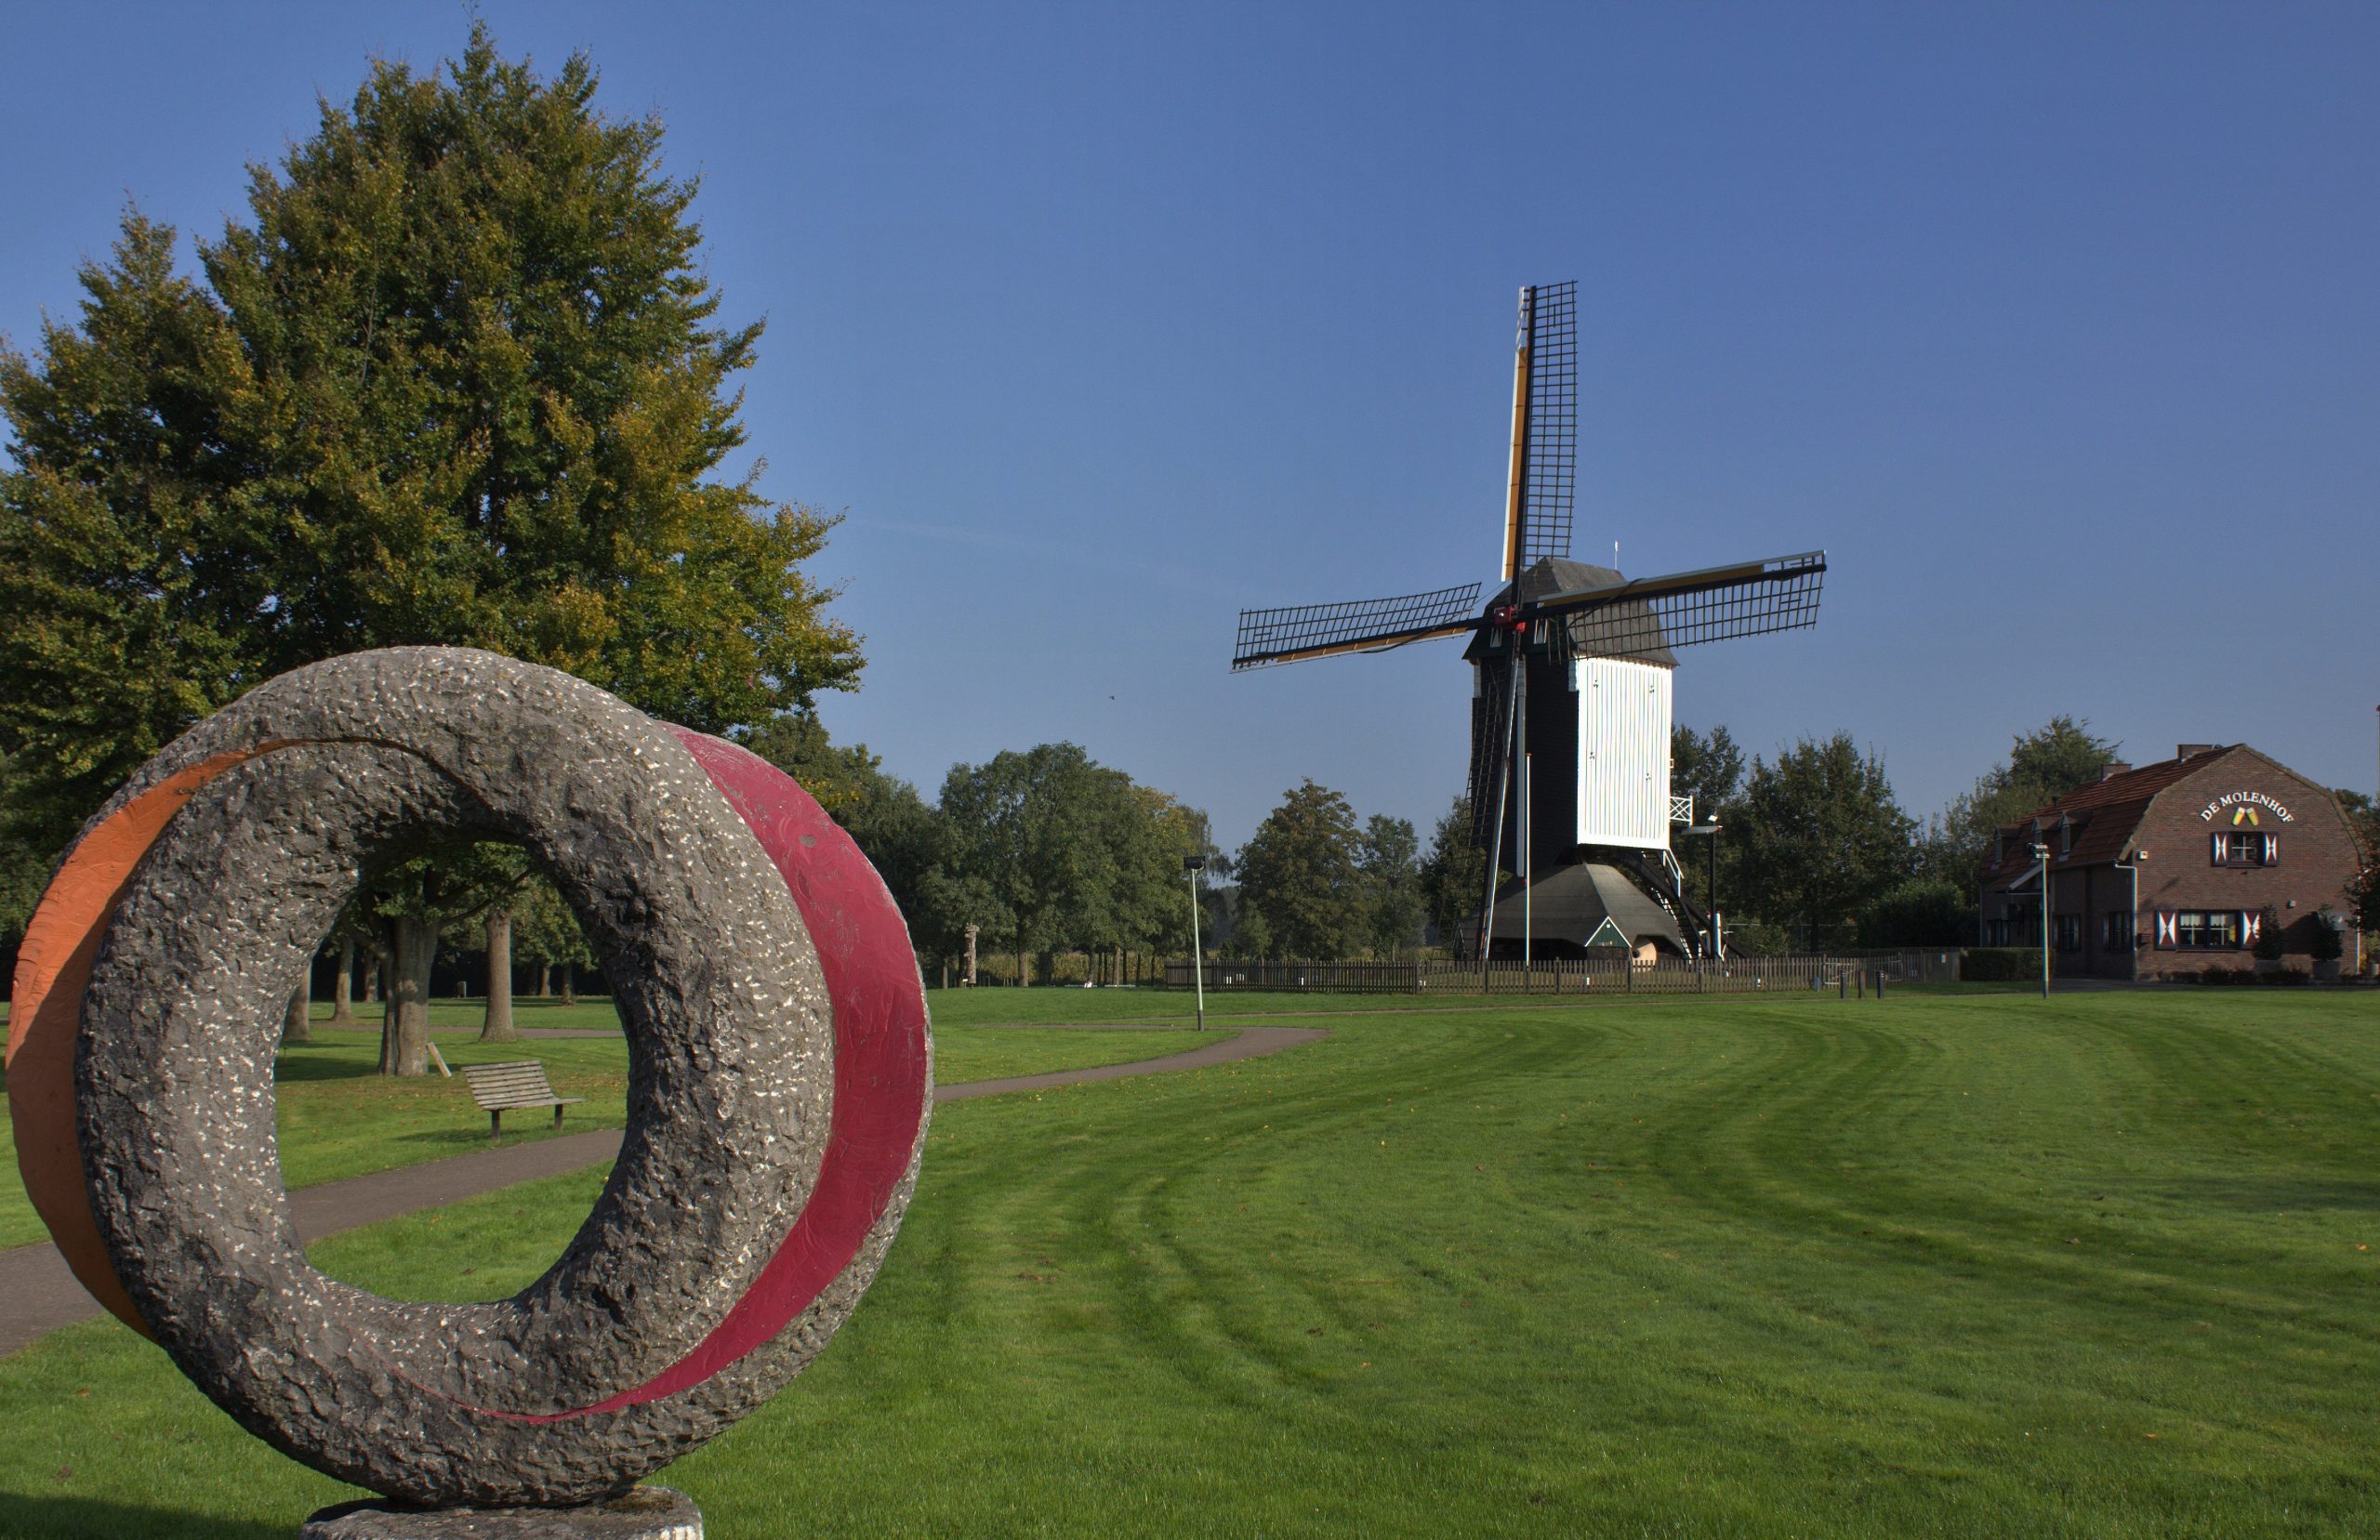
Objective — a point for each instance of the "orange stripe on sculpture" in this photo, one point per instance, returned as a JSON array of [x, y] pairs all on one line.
[[53, 968]]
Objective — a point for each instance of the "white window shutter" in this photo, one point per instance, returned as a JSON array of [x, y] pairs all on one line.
[[2218, 849]]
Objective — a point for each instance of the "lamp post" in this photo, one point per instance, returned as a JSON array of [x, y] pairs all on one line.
[[1191, 867], [2041, 853]]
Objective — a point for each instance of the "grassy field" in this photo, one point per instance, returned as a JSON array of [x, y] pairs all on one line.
[[339, 1118], [1937, 1267]]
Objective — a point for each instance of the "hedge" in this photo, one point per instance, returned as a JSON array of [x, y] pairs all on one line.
[[2000, 963]]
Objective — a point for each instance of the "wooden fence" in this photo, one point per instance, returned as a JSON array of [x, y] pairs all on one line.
[[1593, 977], [1327, 978]]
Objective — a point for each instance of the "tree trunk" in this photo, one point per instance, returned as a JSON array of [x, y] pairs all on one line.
[[343, 986], [545, 980], [569, 984], [296, 1025], [498, 1027], [404, 1032]]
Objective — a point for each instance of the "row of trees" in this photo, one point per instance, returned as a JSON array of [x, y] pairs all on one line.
[[1040, 851], [1047, 852], [1817, 850], [1312, 883]]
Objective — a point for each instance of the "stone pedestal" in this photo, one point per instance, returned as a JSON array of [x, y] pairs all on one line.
[[645, 1513]]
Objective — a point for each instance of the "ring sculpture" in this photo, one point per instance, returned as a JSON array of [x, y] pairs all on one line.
[[779, 1073]]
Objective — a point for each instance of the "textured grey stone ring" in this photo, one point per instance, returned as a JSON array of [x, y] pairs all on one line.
[[778, 1072]]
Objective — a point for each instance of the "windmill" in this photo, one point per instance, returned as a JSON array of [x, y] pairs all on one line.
[[1571, 667]]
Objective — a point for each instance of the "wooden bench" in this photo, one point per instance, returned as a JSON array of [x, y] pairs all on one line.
[[501, 1089]]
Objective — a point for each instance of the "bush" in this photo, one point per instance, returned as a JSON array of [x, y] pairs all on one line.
[[2287, 976], [1756, 938], [2325, 946], [2215, 973], [1999, 964], [2269, 946], [1921, 912]]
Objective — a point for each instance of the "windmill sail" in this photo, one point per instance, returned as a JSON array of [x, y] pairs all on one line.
[[1490, 729], [1357, 625], [1541, 496], [1639, 619]]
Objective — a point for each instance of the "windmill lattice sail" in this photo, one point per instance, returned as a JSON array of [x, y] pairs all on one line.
[[1550, 460], [1637, 619], [1356, 626]]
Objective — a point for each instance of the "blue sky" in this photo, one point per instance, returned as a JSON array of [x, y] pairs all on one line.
[[2055, 327]]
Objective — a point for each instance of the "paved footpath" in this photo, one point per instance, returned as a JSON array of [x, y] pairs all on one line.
[[38, 1293]]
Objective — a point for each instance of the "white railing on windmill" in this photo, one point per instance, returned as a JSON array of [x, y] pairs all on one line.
[[1595, 649]]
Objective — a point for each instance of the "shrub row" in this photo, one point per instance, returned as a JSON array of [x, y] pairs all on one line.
[[1999, 964], [2215, 973]]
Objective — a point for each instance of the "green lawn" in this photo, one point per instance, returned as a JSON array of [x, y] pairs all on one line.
[[339, 1118], [1938, 1267]]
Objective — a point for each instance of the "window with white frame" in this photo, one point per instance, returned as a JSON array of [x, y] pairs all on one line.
[[2246, 848], [2207, 929]]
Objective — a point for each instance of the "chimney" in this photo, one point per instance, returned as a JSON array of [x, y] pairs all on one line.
[[2184, 751], [2114, 767]]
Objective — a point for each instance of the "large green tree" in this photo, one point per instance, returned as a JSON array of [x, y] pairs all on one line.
[[1390, 857], [1453, 875], [1022, 839], [545, 933], [1299, 874], [1710, 768], [457, 378], [2053, 759], [1707, 767], [1048, 851], [1147, 833], [1822, 835], [2363, 892]]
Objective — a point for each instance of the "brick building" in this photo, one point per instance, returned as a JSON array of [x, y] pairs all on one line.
[[2160, 871]]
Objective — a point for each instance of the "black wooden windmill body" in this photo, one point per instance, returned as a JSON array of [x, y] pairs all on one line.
[[1570, 750]]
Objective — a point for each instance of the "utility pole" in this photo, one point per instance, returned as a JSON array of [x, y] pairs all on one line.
[[1191, 867], [1528, 963], [2041, 853]]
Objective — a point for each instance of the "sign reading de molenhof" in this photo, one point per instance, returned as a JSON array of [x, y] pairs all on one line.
[[2242, 807]]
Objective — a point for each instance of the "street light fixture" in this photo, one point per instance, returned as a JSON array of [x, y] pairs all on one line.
[[1191, 867]]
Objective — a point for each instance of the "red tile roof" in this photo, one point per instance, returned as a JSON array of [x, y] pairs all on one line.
[[2104, 815]]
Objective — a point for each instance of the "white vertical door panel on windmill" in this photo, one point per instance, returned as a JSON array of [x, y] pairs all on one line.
[[1623, 752]]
